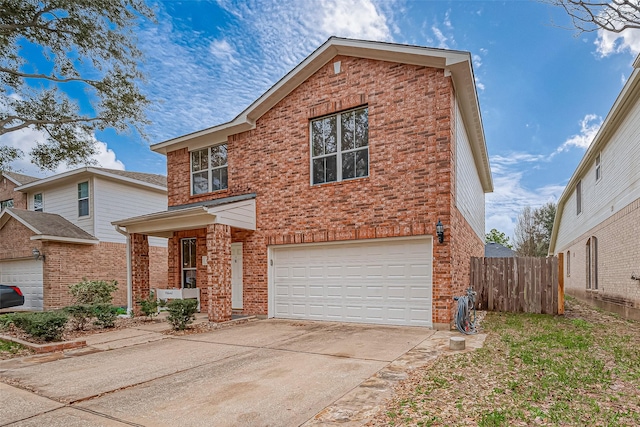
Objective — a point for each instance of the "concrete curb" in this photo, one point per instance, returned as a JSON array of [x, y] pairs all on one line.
[[48, 347]]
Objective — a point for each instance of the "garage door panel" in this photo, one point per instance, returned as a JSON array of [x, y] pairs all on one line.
[[374, 281], [27, 275]]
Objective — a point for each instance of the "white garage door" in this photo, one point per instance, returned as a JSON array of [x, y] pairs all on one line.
[[27, 275], [385, 281]]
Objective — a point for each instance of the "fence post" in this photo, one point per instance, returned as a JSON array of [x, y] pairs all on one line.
[[560, 283]]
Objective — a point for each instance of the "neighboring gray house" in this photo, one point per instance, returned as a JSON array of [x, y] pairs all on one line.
[[597, 224], [496, 250]]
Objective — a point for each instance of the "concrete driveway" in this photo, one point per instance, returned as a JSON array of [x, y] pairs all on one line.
[[262, 373]]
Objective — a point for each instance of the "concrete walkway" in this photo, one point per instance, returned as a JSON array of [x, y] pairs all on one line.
[[260, 373]]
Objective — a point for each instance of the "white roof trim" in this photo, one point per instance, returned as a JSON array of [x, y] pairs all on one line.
[[620, 109], [65, 239], [240, 214], [90, 170], [11, 179], [457, 63], [17, 218]]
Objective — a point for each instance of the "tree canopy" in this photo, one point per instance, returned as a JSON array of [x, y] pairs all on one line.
[[495, 236], [54, 52], [533, 230], [592, 15]]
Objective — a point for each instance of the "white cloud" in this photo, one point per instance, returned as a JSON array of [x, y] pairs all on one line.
[[223, 51], [589, 127], [608, 42], [440, 37], [354, 19], [26, 139]]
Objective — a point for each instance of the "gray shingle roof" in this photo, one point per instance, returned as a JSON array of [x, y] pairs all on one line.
[[496, 250], [149, 178], [49, 224], [20, 178]]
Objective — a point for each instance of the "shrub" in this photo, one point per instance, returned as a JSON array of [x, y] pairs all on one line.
[[46, 325], [181, 313], [93, 291], [80, 314], [149, 306], [105, 315], [6, 320]]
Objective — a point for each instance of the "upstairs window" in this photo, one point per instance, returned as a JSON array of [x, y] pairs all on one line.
[[340, 146], [6, 204], [598, 168], [579, 198], [209, 169], [83, 199], [38, 206]]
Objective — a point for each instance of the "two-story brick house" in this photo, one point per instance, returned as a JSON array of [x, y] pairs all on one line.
[[321, 199], [58, 230]]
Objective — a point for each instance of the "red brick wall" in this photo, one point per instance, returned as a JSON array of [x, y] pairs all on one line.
[[410, 174], [66, 263], [6, 193]]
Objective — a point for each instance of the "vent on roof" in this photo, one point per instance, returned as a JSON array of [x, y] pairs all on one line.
[[336, 67]]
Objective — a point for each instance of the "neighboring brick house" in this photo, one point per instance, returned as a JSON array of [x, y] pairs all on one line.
[[67, 219], [321, 199], [598, 217], [9, 198]]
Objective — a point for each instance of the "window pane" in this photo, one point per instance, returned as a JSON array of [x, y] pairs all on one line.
[[348, 165], [330, 135], [318, 171], [219, 179], [200, 182], [331, 168], [347, 125], [199, 160], [83, 207], [83, 190], [361, 128], [317, 138], [362, 162], [37, 202], [219, 155]]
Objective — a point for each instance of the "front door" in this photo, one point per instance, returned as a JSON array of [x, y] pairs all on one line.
[[189, 263], [236, 275]]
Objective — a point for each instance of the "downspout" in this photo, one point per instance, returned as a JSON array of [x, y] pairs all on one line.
[[129, 286]]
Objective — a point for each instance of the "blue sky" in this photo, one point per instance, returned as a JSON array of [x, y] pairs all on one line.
[[543, 89]]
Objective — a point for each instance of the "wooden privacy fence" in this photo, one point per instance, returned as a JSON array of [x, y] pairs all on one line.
[[518, 284]]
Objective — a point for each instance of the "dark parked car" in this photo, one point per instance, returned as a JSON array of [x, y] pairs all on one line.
[[10, 296]]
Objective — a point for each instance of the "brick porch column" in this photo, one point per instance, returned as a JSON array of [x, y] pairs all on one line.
[[218, 272], [139, 269]]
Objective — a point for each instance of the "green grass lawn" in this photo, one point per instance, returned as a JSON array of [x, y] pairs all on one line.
[[9, 349], [581, 369]]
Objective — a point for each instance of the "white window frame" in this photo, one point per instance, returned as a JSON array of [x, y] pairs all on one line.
[[35, 208], [339, 151], [598, 163], [209, 170], [87, 198]]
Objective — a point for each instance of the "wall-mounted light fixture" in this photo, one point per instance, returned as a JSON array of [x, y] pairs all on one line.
[[440, 231], [37, 255]]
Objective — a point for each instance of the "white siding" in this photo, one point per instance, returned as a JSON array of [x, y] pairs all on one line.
[[469, 192], [63, 200], [114, 200], [618, 187]]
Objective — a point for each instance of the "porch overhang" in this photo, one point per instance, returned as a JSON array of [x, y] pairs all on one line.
[[239, 214]]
